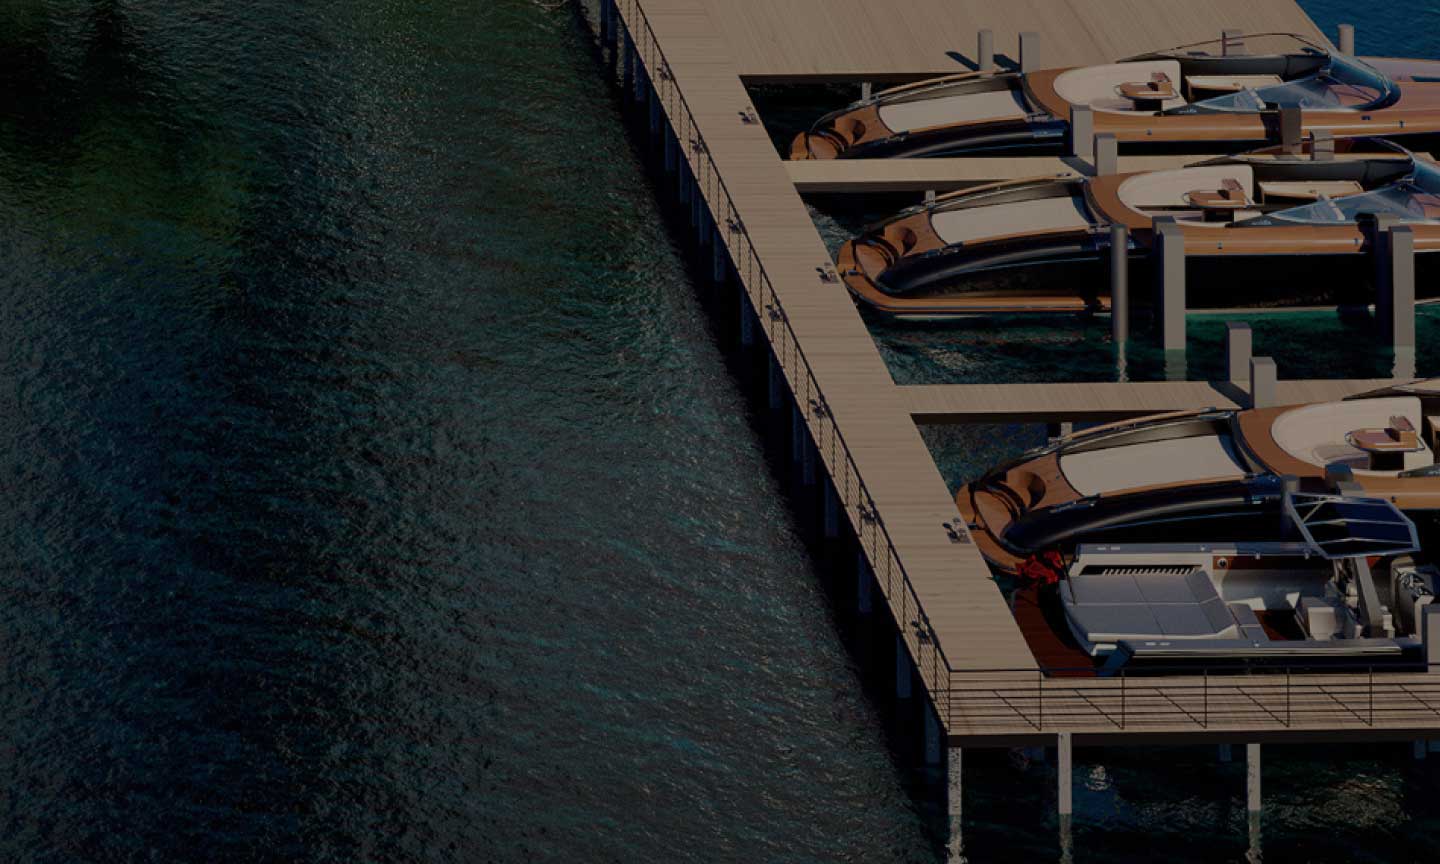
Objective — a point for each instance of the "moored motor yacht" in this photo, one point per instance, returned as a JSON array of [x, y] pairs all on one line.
[[1210, 476], [1266, 228], [1348, 588], [1218, 96]]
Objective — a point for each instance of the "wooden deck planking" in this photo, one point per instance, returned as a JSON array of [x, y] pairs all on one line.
[[856, 39], [966, 610], [970, 619], [984, 403]]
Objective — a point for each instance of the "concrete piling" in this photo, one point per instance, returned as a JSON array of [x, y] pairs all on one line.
[[1252, 777], [1232, 42], [1322, 145], [1170, 283], [1395, 287], [1119, 283], [1065, 786]]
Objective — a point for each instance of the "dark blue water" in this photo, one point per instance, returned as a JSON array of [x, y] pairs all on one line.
[[375, 490]]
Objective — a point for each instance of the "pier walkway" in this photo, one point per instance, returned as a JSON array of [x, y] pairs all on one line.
[[691, 58]]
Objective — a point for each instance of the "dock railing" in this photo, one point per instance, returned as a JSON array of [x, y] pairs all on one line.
[[981, 700], [1332, 695], [855, 498]]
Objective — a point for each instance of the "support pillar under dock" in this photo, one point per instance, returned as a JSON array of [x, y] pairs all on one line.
[[1239, 348], [954, 802], [832, 510], [903, 669], [934, 749], [747, 320], [1252, 777], [719, 260], [776, 383], [864, 584], [1065, 787], [1170, 283], [1263, 380], [1395, 297], [1119, 283], [627, 51]]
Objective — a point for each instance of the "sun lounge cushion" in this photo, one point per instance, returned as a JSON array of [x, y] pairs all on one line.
[[1107, 607]]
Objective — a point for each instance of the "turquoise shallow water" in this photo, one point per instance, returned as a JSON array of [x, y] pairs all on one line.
[[376, 490]]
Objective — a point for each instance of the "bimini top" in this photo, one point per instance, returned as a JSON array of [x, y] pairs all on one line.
[[1335, 526], [1315, 79]]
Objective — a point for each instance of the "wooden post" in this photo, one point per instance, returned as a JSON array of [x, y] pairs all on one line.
[[1263, 378], [1395, 297], [1119, 283], [1082, 133], [1029, 51], [985, 50], [1232, 42], [1239, 347], [1170, 283], [1107, 154], [1322, 145], [866, 90], [1347, 39], [808, 460]]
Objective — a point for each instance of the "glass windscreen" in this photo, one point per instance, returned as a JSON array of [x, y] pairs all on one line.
[[1413, 199], [1344, 84]]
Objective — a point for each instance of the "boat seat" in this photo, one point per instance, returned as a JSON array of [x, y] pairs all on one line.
[[1250, 626], [1216, 84], [1320, 434], [1170, 189], [1099, 86], [1106, 607], [1308, 190]]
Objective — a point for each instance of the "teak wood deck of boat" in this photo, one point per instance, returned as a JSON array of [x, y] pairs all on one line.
[[691, 60]]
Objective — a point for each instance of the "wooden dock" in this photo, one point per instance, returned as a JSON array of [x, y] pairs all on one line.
[[692, 59]]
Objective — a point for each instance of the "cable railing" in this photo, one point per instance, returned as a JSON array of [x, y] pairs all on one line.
[[1048, 699], [1154, 697], [849, 486]]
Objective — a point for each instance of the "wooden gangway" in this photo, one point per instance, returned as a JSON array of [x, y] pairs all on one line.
[[975, 665]]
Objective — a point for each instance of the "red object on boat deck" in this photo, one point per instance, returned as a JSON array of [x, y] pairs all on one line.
[[1042, 568]]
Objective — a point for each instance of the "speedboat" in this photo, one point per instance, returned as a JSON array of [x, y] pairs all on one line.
[[1266, 228], [1347, 590], [1211, 476], [1203, 98]]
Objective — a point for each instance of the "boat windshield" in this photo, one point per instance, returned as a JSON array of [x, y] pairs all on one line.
[[1345, 84], [1416, 198]]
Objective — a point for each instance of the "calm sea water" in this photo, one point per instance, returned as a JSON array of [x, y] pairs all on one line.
[[376, 490]]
